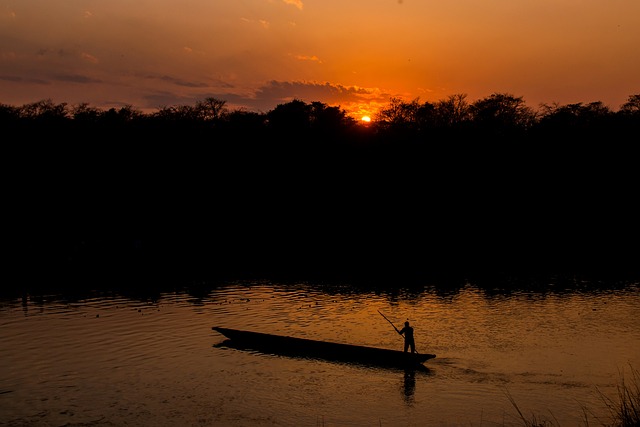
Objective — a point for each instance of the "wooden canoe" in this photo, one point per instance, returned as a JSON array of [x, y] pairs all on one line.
[[301, 347]]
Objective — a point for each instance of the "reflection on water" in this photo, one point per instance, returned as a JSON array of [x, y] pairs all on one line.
[[104, 359], [409, 386]]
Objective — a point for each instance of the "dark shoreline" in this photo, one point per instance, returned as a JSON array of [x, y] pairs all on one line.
[[154, 200]]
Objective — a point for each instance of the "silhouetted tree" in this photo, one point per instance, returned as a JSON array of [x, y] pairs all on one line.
[[632, 106], [179, 114], [576, 123], [242, 120], [241, 131], [399, 123], [211, 109], [125, 114], [85, 114], [45, 110], [398, 114], [427, 118], [216, 187], [10, 119], [453, 112], [501, 114], [9, 113], [293, 117], [628, 118], [329, 119]]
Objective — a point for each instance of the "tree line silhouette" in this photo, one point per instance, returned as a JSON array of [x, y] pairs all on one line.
[[304, 190], [498, 116]]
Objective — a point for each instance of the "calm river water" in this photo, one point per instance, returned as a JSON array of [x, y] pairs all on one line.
[[111, 360]]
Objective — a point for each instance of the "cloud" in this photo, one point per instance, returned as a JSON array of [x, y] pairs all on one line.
[[274, 92], [76, 78], [19, 79], [66, 54], [313, 91], [89, 58], [354, 99], [296, 3], [264, 23], [176, 81], [311, 58], [191, 51]]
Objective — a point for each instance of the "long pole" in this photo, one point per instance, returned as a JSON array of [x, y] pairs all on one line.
[[394, 326]]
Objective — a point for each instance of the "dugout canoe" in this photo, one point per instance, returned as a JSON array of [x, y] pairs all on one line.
[[327, 350]]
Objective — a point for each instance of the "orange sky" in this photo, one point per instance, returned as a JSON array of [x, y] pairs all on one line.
[[356, 54]]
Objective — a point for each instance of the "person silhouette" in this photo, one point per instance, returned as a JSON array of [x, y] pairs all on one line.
[[407, 332]]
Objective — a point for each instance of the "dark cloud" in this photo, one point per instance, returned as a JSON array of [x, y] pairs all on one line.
[[11, 78], [180, 82], [268, 96], [18, 79], [185, 83], [76, 78], [63, 53], [286, 91], [278, 92]]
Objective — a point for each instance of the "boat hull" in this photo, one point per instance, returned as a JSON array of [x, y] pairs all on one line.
[[301, 347]]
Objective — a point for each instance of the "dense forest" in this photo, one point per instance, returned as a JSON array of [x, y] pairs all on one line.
[[498, 117], [426, 190]]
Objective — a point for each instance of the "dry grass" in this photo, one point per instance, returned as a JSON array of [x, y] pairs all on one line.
[[625, 410], [534, 421]]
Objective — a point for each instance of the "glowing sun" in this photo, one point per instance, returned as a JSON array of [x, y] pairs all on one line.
[[366, 119]]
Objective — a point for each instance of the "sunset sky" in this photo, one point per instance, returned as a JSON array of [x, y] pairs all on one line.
[[356, 54]]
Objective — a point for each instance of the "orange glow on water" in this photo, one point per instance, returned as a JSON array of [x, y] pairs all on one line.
[[531, 341]]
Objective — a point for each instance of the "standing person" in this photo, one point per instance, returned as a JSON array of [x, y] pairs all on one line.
[[407, 332]]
